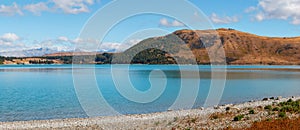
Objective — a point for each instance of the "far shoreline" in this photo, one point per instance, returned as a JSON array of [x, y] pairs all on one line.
[[164, 64]]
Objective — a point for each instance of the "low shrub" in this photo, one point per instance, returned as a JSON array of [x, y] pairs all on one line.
[[214, 116], [157, 123], [194, 120], [290, 106], [287, 108], [175, 119], [282, 114], [251, 111], [238, 117], [269, 107], [276, 109]]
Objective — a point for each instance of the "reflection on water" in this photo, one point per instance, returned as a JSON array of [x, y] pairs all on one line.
[[47, 92]]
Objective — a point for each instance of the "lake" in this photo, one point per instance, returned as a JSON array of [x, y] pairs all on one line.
[[38, 92]]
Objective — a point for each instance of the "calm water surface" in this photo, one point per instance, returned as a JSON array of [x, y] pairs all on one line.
[[36, 92]]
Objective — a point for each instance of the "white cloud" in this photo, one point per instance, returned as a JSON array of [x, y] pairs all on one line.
[[279, 9], [80, 41], [37, 8], [296, 21], [10, 41], [118, 47], [164, 22], [73, 6], [260, 17], [9, 37], [91, 45], [10, 10], [66, 6], [223, 20], [174, 23], [64, 39], [54, 44], [250, 9], [5, 43], [9, 46], [108, 46], [84, 44], [90, 2]]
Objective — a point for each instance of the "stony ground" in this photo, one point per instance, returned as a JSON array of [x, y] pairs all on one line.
[[220, 117]]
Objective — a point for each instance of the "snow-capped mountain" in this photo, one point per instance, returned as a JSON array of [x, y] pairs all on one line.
[[43, 52], [29, 52]]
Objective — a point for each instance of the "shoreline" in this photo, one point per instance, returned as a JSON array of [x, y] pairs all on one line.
[[166, 120]]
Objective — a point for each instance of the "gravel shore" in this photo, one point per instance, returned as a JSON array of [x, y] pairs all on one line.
[[208, 118]]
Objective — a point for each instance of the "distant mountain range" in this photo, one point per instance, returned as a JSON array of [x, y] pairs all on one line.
[[44, 52], [29, 52]]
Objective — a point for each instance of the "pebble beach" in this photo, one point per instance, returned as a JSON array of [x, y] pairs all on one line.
[[218, 117]]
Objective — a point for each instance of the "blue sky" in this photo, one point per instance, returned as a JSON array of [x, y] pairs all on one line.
[[57, 23]]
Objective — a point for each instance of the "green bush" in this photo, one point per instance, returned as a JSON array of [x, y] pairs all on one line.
[[290, 106], [157, 123], [269, 119], [238, 118], [175, 119], [282, 114], [290, 100], [276, 109], [287, 108], [252, 112], [194, 120], [215, 117], [269, 107]]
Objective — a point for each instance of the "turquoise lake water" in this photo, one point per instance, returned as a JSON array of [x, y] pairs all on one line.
[[38, 92]]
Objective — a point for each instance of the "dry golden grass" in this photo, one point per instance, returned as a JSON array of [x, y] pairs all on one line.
[[280, 124]]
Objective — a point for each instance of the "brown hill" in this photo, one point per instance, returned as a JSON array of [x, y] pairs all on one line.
[[241, 47]]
